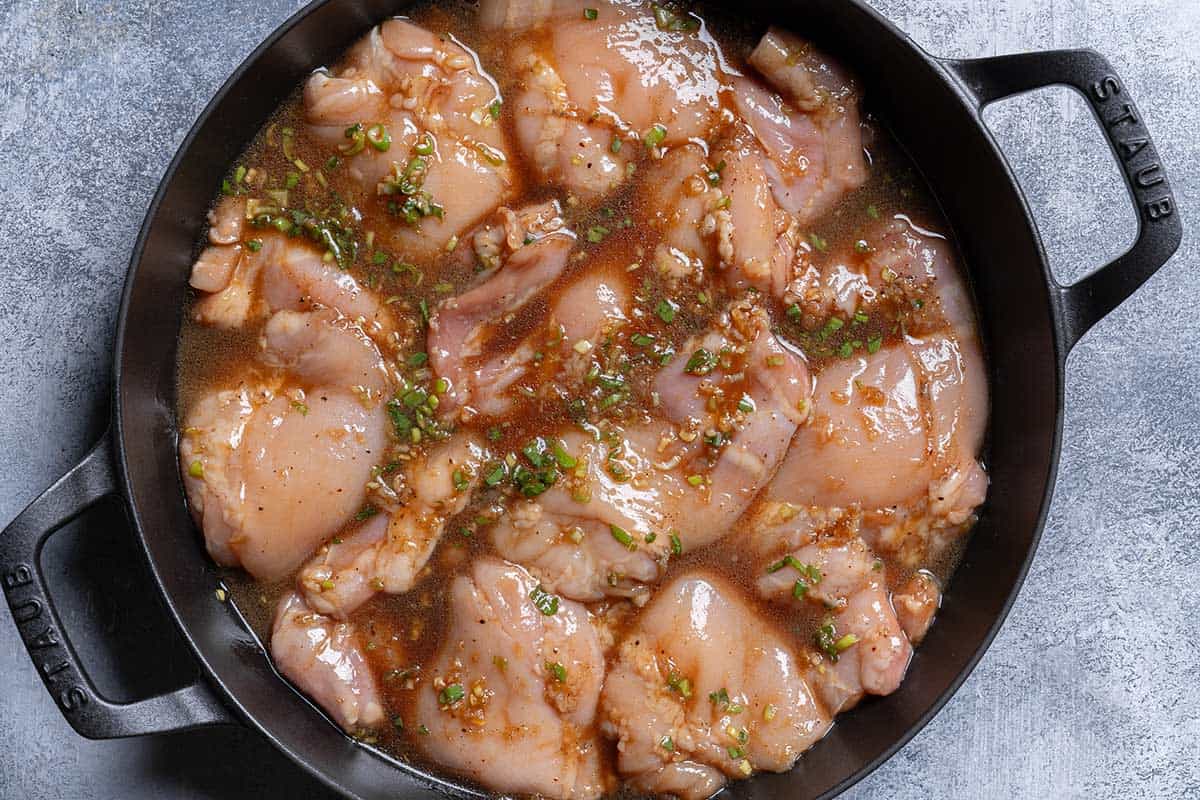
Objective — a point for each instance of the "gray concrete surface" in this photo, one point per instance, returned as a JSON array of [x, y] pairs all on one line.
[[1089, 691]]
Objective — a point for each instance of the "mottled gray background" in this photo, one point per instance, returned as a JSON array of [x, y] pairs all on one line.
[[1089, 691]]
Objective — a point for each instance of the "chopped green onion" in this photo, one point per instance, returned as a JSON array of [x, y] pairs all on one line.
[[714, 175], [196, 469], [379, 138], [667, 743], [544, 601], [702, 362], [667, 19], [366, 512], [358, 140], [452, 694], [872, 212], [255, 245], [557, 670], [655, 136], [615, 146], [623, 536], [424, 147], [564, 459], [496, 475], [666, 310], [846, 642], [678, 683], [590, 13], [746, 404], [494, 108], [676, 544], [596, 233]]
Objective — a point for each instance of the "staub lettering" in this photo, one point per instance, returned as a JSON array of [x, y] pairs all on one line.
[[20, 575], [41, 639], [73, 699], [1129, 139], [26, 611], [1106, 87], [1157, 209]]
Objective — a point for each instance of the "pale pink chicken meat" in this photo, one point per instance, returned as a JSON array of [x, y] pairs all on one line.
[[590, 82], [324, 348], [436, 103], [390, 551], [562, 148], [595, 305], [460, 326], [916, 603], [513, 691], [761, 237], [895, 253], [895, 434], [638, 504], [241, 285], [871, 650], [717, 216], [270, 475], [324, 659], [812, 134], [704, 690]]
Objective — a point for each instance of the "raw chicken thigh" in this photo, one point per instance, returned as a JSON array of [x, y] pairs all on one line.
[[388, 554], [865, 648], [270, 474], [672, 484], [895, 434], [602, 86], [324, 659], [445, 164], [704, 690], [515, 687]]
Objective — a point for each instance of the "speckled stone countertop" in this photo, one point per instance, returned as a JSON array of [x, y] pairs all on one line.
[[1090, 690]]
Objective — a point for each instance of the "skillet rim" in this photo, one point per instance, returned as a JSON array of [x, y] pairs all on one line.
[[968, 107]]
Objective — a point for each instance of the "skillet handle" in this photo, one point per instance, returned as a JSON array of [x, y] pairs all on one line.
[[43, 635], [1080, 306]]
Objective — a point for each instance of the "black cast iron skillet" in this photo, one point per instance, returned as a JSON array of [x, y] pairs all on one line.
[[1029, 321]]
